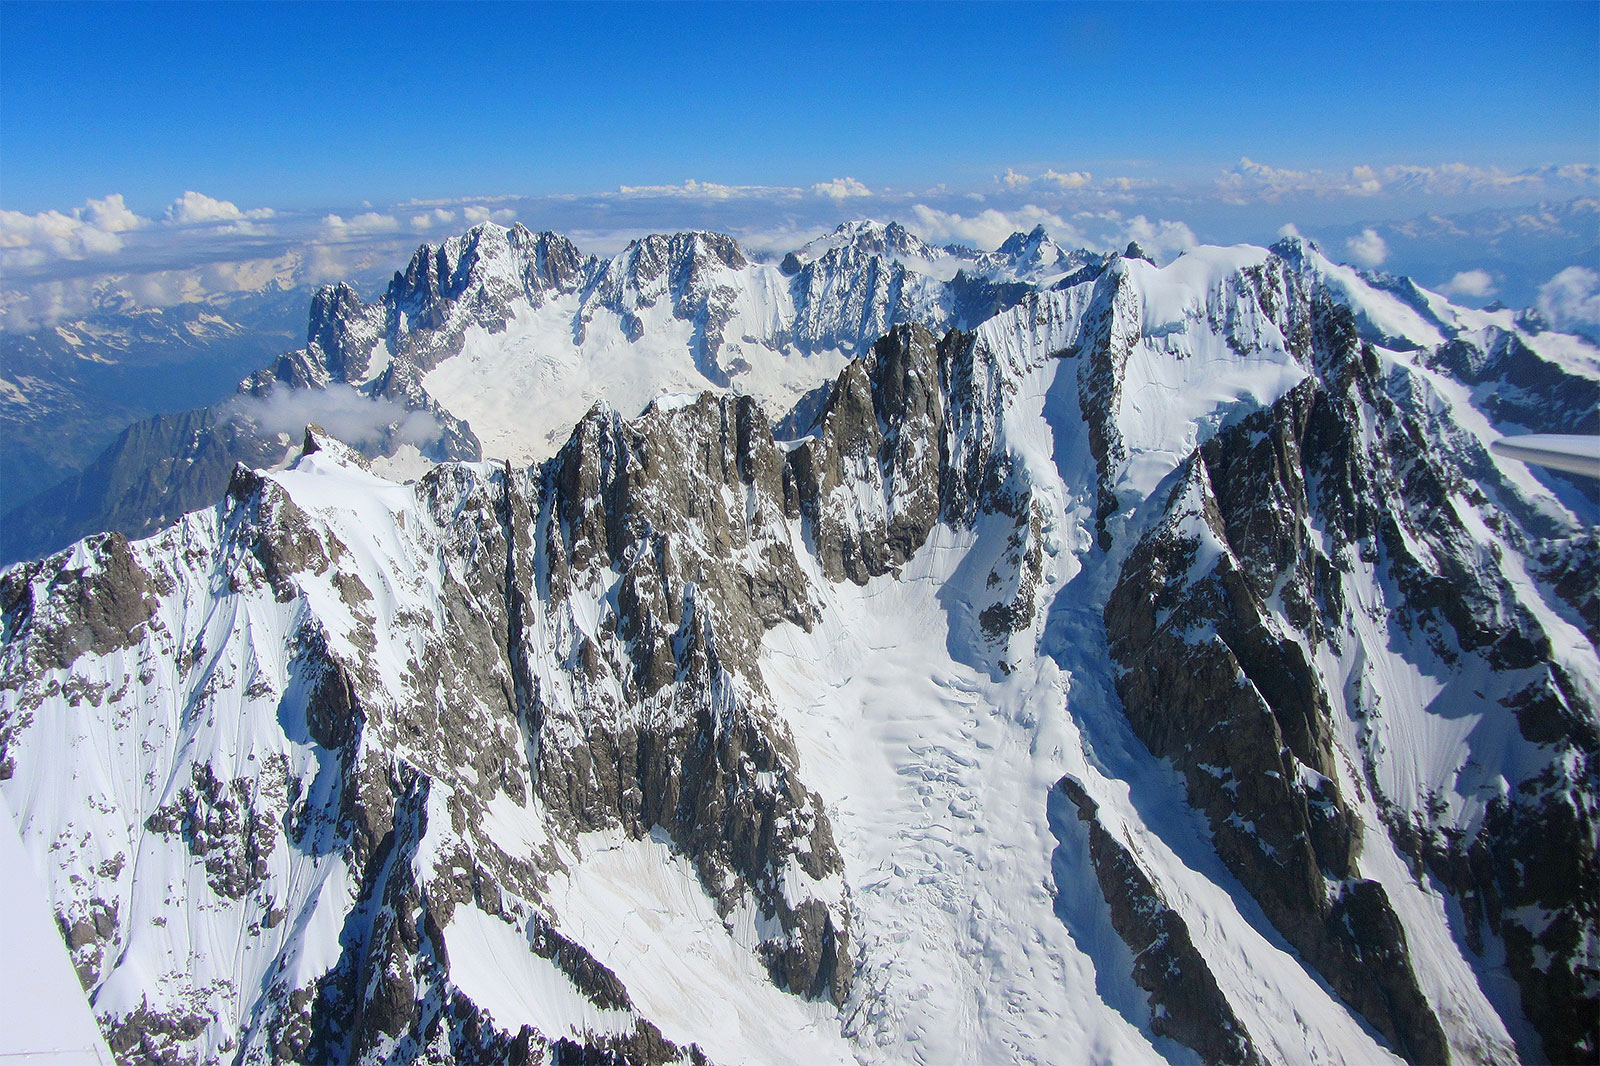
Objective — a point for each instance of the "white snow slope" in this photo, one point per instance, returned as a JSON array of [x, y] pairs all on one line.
[[43, 1015]]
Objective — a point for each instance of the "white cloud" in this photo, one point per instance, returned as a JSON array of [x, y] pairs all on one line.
[[165, 288], [1474, 284], [1249, 180], [1571, 300], [471, 215], [46, 302], [98, 230], [1162, 239], [360, 226], [841, 188], [93, 229], [477, 213], [1363, 181], [327, 263], [429, 219], [1104, 230], [112, 215], [1367, 248], [1268, 174], [1288, 229], [1109, 231], [708, 190], [1074, 179], [771, 241], [341, 410], [988, 228], [193, 207], [44, 257]]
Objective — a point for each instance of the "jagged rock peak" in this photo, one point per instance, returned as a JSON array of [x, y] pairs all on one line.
[[319, 441], [550, 258], [1021, 243], [1296, 249], [489, 256], [871, 238], [330, 305], [676, 258]]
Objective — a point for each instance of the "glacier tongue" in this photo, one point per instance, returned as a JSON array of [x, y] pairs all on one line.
[[1165, 670]]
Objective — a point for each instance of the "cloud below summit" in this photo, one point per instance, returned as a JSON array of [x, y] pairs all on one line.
[[1367, 248], [343, 411], [1471, 284], [1250, 181], [1571, 300]]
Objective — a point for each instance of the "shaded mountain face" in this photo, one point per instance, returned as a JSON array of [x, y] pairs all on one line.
[[1163, 668]]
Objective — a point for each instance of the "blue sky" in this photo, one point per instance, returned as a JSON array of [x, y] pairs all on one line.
[[300, 105], [182, 151]]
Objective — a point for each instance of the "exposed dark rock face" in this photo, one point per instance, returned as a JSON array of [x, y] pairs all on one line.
[[334, 337], [160, 1038], [153, 473], [1110, 331], [1208, 683], [1211, 680], [1190, 1008], [857, 291], [882, 427], [474, 280], [651, 502], [95, 607], [1521, 388], [688, 270], [221, 825], [978, 299]]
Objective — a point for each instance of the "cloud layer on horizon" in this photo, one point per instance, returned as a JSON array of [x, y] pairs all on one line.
[[60, 263]]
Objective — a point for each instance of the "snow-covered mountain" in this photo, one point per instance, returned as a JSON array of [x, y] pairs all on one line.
[[1164, 669], [518, 334], [502, 339]]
